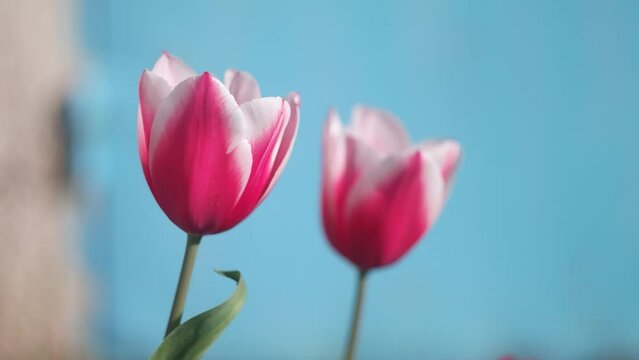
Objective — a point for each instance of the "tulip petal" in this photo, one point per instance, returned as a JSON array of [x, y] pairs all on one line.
[[333, 149], [390, 208], [266, 119], [172, 69], [333, 163], [346, 156], [345, 159], [379, 129], [152, 90], [199, 161], [447, 153], [288, 139], [241, 85], [143, 150]]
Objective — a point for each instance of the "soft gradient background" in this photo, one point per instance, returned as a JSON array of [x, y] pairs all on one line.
[[536, 251]]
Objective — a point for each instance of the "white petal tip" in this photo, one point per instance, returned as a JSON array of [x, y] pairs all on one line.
[[294, 98]]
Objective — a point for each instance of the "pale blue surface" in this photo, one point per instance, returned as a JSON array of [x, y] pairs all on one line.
[[536, 251]]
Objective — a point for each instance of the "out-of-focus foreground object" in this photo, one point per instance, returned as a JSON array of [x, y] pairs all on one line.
[[41, 297]]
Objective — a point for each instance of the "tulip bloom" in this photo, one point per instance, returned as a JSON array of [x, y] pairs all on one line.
[[380, 194], [211, 151]]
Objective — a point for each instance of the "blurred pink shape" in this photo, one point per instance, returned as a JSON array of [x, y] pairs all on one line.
[[380, 194]]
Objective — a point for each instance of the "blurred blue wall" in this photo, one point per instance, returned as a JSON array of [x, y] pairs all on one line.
[[536, 251]]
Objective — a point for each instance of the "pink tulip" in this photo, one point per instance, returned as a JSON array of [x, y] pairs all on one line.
[[211, 151], [380, 194]]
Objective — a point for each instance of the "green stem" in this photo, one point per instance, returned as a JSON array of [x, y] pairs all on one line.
[[357, 314], [192, 244]]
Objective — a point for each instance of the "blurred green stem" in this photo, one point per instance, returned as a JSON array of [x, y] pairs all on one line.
[[357, 311], [192, 244]]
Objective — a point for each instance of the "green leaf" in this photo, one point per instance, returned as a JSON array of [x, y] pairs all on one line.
[[191, 339]]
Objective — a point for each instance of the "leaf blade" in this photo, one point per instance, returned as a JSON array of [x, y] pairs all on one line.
[[191, 339]]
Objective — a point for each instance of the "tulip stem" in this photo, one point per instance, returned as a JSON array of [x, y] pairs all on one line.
[[192, 244], [357, 314]]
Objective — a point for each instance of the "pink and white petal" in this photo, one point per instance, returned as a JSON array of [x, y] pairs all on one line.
[[333, 168], [390, 210], [143, 150], [288, 139], [368, 210], [361, 161], [358, 159], [379, 129], [346, 158], [447, 153], [375, 177], [152, 90], [266, 119], [333, 149], [241, 85], [172, 69], [262, 117], [409, 219], [199, 161]]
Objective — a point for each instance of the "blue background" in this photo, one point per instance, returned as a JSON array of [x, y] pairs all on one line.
[[536, 251]]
